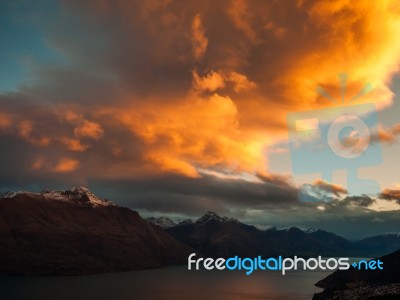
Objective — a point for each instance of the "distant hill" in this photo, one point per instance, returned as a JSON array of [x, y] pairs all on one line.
[[218, 236], [379, 244], [74, 232]]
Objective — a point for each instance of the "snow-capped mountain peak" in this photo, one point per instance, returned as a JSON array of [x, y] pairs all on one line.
[[80, 195], [210, 215], [77, 195], [163, 222]]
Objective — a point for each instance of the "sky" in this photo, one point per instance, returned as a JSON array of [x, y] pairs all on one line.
[[175, 108]]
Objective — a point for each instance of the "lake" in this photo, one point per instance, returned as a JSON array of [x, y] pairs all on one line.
[[166, 283]]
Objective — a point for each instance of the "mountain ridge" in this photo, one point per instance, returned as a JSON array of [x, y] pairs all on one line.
[[71, 232], [75, 232], [213, 234]]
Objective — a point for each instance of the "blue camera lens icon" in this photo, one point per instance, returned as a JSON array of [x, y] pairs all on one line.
[[322, 141]]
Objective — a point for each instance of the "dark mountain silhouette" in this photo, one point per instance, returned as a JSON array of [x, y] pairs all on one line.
[[379, 244], [74, 232], [217, 236], [364, 284]]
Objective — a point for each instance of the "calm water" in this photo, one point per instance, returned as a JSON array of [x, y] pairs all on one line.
[[167, 283]]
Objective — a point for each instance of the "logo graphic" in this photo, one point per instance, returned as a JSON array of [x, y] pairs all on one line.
[[325, 140], [251, 264]]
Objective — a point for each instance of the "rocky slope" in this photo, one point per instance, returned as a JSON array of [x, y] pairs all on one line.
[[74, 232]]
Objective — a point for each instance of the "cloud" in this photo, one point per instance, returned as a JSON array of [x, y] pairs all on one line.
[[330, 187], [321, 192], [89, 129], [177, 145], [196, 90], [241, 18], [358, 142], [66, 165], [210, 82], [386, 135], [5, 122], [262, 203], [241, 82], [363, 200], [389, 194], [226, 193], [25, 130], [73, 144], [199, 39]]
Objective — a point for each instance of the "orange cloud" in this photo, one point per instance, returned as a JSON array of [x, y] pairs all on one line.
[[210, 82], [389, 194], [5, 122], [388, 135], [66, 165], [207, 85], [70, 116], [199, 132], [241, 82], [330, 187], [25, 129], [73, 144], [260, 66], [352, 37], [199, 40], [276, 30], [90, 130], [38, 163], [241, 17]]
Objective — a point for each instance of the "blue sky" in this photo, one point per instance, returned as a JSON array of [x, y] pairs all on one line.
[[23, 40]]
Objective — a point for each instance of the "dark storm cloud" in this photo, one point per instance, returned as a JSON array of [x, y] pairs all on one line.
[[143, 193], [363, 201]]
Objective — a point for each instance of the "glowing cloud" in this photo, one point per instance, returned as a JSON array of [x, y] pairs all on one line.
[[66, 165], [175, 87], [89, 129], [199, 40]]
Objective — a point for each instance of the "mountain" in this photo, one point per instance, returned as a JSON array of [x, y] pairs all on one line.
[[163, 222], [364, 284], [74, 232], [378, 244], [294, 241], [185, 221], [211, 216], [217, 236]]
